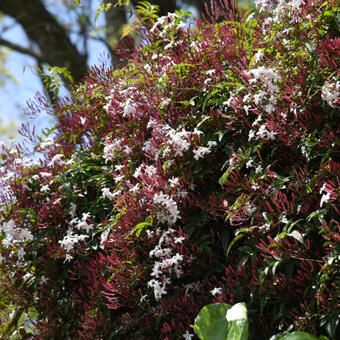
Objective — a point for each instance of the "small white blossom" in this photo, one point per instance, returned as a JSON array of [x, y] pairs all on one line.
[[258, 169], [43, 280], [325, 198], [216, 291], [45, 188], [187, 335], [106, 193], [173, 182], [258, 56], [179, 239], [134, 189]]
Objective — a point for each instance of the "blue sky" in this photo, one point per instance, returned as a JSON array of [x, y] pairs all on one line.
[[13, 96]]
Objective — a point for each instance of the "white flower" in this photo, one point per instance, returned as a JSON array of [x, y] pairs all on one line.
[[57, 159], [68, 258], [325, 198], [134, 189], [104, 236], [21, 254], [173, 182], [45, 174], [209, 73], [85, 216], [43, 280], [200, 152], [46, 143], [330, 92], [119, 167], [249, 163], [73, 208], [295, 4], [216, 291], [271, 135], [197, 132], [129, 108], [118, 179], [157, 288], [165, 102], [251, 135], [258, 56], [187, 335], [83, 120], [179, 239], [138, 172], [106, 193], [262, 131], [211, 143], [259, 169], [45, 188], [237, 312], [70, 240]]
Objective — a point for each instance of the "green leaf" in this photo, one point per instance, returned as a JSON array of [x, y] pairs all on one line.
[[299, 336], [220, 321], [237, 322], [141, 226], [297, 236], [234, 241], [211, 323], [224, 177]]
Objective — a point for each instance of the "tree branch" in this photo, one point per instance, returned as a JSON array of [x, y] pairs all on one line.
[[21, 49], [47, 33]]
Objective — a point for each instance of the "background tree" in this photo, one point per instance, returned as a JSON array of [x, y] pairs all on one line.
[[56, 42]]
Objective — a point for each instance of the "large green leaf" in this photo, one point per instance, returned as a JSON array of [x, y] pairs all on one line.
[[237, 322], [300, 336], [220, 321], [211, 323]]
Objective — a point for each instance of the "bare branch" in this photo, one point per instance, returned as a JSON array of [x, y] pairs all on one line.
[[43, 29], [21, 49]]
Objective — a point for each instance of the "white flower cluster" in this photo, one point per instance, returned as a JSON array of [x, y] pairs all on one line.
[[263, 4], [68, 242], [267, 76], [179, 141], [106, 193], [70, 239], [82, 224], [167, 22], [201, 151], [111, 148], [129, 108], [167, 263], [170, 206], [56, 160], [15, 234], [330, 92], [326, 195]]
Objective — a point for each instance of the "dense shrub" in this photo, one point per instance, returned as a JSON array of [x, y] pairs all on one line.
[[206, 170]]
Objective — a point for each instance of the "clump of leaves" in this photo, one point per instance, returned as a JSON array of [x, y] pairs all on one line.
[[206, 170]]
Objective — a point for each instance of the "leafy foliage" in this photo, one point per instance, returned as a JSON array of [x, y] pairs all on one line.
[[205, 171]]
